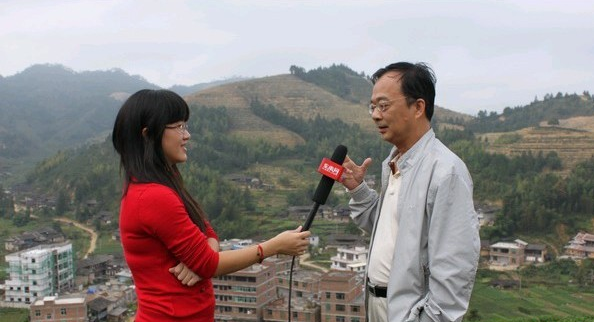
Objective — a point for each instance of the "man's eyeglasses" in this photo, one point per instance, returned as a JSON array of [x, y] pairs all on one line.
[[181, 128], [382, 105]]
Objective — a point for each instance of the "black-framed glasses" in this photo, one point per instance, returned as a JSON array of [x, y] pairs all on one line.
[[382, 105], [181, 128]]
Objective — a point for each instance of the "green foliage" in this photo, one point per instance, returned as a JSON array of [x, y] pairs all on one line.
[[550, 109], [50, 107], [339, 80], [534, 303], [6, 204], [322, 136], [495, 174], [13, 315], [541, 202], [508, 138]]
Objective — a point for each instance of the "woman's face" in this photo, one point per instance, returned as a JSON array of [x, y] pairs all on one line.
[[175, 138]]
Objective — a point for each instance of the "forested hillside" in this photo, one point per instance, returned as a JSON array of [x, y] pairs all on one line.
[[283, 120], [551, 109]]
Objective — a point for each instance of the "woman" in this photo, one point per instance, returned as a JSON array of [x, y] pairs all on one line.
[[165, 234]]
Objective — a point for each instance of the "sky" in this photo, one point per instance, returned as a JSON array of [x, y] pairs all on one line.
[[487, 55]]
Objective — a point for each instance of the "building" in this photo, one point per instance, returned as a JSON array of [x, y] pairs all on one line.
[[507, 255], [93, 269], [38, 272], [28, 239], [350, 259], [341, 298], [241, 296], [306, 284], [344, 240], [581, 246], [54, 308], [535, 253], [99, 308], [302, 310], [511, 255]]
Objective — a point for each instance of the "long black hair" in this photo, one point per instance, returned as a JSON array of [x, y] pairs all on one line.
[[137, 135]]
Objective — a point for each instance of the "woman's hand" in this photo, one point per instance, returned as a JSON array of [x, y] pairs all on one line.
[[185, 275], [290, 242]]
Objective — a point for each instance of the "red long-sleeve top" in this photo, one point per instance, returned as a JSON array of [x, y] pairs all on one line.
[[157, 233]]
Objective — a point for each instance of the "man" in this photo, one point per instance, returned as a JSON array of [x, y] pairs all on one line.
[[424, 247]]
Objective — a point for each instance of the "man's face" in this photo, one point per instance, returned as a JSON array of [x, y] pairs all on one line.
[[397, 122]]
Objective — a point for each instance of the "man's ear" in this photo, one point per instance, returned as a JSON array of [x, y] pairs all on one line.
[[144, 131], [420, 108]]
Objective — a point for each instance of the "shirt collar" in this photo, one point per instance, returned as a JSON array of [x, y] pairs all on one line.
[[411, 156]]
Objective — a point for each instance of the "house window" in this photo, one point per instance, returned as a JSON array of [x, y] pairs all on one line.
[[340, 296], [295, 315], [355, 309], [63, 311], [32, 260], [340, 308], [49, 316], [37, 313], [328, 295], [340, 319]]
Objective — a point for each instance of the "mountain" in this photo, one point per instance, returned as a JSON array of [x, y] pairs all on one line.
[[297, 95], [47, 108], [276, 128], [183, 90], [562, 124]]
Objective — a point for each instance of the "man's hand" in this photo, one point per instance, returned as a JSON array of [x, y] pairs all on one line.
[[354, 174], [185, 275]]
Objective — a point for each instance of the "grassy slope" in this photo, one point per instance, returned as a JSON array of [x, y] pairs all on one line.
[[286, 92], [500, 305], [572, 139]]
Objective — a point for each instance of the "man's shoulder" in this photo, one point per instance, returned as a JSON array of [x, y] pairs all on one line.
[[442, 158]]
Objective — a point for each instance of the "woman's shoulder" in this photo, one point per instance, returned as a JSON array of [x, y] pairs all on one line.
[[151, 190]]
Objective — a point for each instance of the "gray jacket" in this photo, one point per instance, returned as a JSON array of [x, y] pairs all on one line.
[[437, 245]]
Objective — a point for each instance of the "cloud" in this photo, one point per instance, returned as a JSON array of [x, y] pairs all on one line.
[[486, 54]]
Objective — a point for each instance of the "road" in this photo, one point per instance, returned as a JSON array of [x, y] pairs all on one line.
[[303, 261], [86, 228]]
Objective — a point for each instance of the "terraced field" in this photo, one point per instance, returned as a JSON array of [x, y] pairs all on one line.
[[572, 139]]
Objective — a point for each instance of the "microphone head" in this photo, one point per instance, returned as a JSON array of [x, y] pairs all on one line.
[[339, 154], [325, 186]]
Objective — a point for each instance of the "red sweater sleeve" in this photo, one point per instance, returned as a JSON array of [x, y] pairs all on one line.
[[166, 217], [210, 233]]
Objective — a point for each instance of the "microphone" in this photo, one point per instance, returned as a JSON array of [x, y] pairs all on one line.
[[331, 170]]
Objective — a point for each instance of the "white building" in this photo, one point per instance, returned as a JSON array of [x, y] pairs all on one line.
[[37, 272], [350, 259]]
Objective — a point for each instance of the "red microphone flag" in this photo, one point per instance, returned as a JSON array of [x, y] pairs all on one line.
[[331, 169]]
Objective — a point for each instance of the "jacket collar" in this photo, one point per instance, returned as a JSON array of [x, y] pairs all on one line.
[[413, 155]]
